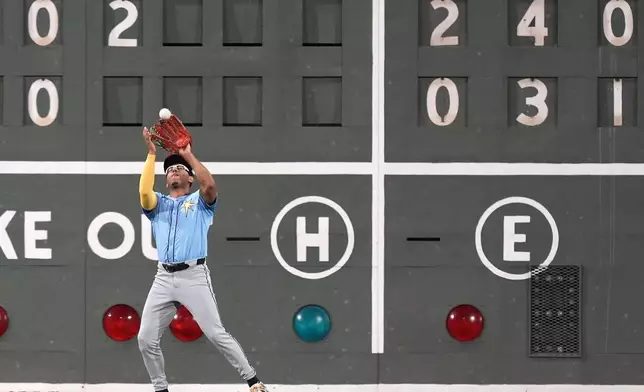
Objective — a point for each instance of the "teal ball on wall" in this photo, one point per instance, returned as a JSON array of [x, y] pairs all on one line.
[[312, 323]]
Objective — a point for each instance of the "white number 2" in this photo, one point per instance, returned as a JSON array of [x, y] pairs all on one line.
[[32, 22], [115, 35], [536, 12], [452, 92], [437, 38], [538, 101], [611, 6], [32, 105]]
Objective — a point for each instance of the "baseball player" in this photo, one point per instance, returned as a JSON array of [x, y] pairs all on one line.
[[180, 223]]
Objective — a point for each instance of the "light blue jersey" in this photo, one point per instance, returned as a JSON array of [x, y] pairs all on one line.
[[180, 226]]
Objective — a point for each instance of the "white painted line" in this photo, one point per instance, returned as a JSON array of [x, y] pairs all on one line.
[[338, 168], [220, 168], [40, 387], [378, 178], [514, 169]]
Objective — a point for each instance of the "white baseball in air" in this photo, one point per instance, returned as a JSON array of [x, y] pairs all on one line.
[[164, 114]]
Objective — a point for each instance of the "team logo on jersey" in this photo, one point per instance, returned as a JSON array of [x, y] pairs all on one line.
[[187, 206]]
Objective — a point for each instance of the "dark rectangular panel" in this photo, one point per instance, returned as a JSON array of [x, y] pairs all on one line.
[[243, 24], [242, 101], [264, 329], [322, 23], [123, 101], [182, 22], [184, 98], [322, 99]]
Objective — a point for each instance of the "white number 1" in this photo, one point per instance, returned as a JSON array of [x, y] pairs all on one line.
[[537, 13], [617, 103]]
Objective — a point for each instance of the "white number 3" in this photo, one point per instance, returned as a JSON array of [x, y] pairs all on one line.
[[538, 101], [115, 35]]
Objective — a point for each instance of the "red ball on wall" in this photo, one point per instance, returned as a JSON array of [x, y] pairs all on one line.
[[121, 322], [464, 323], [184, 327], [4, 321]]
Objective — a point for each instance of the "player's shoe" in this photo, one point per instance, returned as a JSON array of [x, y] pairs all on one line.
[[258, 387]]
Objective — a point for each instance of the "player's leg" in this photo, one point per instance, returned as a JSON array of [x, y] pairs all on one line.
[[158, 311], [195, 292]]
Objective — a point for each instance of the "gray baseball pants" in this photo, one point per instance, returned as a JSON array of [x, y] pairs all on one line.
[[191, 288]]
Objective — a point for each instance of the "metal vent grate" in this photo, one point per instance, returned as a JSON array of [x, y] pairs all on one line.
[[555, 312]]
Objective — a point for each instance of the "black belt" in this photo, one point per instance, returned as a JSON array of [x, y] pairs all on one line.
[[181, 266]]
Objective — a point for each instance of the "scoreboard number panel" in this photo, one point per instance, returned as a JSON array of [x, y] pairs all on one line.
[[114, 38], [531, 101], [618, 22], [534, 22], [37, 104], [443, 103], [443, 22], [53, 20], [467, 80]]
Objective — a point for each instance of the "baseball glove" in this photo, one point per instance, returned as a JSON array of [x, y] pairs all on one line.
[[170, 134]]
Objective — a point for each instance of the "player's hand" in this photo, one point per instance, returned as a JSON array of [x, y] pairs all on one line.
[[152, 149], [185, 151]]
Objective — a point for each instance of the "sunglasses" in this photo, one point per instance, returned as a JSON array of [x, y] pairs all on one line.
[[177, 167]]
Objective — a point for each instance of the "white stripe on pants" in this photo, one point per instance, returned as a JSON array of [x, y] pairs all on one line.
[[191, 288]]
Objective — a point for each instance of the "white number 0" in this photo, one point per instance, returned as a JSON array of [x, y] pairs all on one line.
[[611, 6], [437, 38], [538, 101], [536, 12], [115, 35], [452, 92], [32, 22], [32, 105]]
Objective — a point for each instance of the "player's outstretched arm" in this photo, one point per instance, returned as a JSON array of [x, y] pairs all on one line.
[[148, 198], [207, 185]]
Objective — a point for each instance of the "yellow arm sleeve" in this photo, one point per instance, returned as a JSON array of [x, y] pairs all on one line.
[[146, 185]]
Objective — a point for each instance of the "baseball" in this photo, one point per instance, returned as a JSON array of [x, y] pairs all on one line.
[[164, 114]]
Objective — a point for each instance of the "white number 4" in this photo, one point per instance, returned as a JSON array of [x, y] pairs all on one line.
[[537, 13]]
